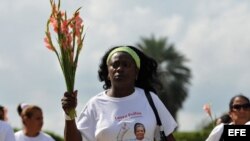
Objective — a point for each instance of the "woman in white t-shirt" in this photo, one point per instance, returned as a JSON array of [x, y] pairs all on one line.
[[32, 119], [6, 132], [126, 72], [239, 112]]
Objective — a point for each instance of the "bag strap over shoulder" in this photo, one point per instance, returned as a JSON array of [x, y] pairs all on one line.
[[158, 120], [151, 102]]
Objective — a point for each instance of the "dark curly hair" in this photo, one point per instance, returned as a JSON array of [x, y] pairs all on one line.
[[147, 77], [2, 111]]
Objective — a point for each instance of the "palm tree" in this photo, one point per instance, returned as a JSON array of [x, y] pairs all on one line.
[[174, 76]]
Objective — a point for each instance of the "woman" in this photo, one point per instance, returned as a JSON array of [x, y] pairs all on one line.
[[32, 119], [140, 131], [6, 132], [3, 113], [126, 73], [239, 109]]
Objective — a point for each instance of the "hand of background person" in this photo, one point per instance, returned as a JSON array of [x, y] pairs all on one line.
[[69, 101]]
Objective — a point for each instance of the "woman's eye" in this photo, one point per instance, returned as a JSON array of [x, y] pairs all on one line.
[[115, 65], [125, 64], [118, 64]]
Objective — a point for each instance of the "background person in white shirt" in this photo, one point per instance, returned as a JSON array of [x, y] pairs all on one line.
[[239, 112], [32, 119], [6, 132]]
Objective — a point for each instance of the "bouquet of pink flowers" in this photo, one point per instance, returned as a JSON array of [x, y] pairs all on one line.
[[69, 37], [207, 109]]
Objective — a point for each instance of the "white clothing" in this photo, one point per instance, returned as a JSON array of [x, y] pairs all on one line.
[[217, 132], [139, 140], [6, 132], [106, 118], [20, 136], [248, 123]]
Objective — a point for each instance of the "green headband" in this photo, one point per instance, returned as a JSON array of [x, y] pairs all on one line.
[[128, 50]]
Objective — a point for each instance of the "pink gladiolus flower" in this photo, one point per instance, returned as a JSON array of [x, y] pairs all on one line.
[[69, 36], [207, 109], [78, 24], [47, 44], [54, 23], [64, 27]]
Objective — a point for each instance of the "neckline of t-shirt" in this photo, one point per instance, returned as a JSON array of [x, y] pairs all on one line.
[[132, 96]]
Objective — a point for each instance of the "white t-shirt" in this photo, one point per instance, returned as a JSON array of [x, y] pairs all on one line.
[[20, 136], [248, 123], [113, 119], [6, 132], [217, 132]]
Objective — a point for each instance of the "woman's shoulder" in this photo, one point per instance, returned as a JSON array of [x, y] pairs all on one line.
[[5, 127], [142, 91], [216, 133], [154, 96], [47, 136], [4, 124], [99, 95], [218, 128], [247, 123]]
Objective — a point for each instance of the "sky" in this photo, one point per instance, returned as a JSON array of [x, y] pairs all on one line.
[[213, 35]]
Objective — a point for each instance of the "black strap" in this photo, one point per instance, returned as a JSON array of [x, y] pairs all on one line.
[[222, 137], [158, 120], [151, 102]]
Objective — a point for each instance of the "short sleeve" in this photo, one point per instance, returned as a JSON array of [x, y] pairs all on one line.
[[216, 133], [168, 122]]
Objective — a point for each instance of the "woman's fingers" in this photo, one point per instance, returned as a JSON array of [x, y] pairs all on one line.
[[69, 100]]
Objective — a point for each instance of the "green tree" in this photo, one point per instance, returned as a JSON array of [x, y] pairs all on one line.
[[172, 73]]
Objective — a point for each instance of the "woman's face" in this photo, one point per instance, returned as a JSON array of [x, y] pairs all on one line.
[[122, 70], [35, 122], [139, 133], [240, 111]]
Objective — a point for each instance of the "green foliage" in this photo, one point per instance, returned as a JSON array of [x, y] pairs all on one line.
[[172, 73], [200, 135], [191, 136], [16, 129]]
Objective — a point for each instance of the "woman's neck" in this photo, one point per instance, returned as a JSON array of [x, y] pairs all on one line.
[[30, 133], [240, 122], [120, 92]]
